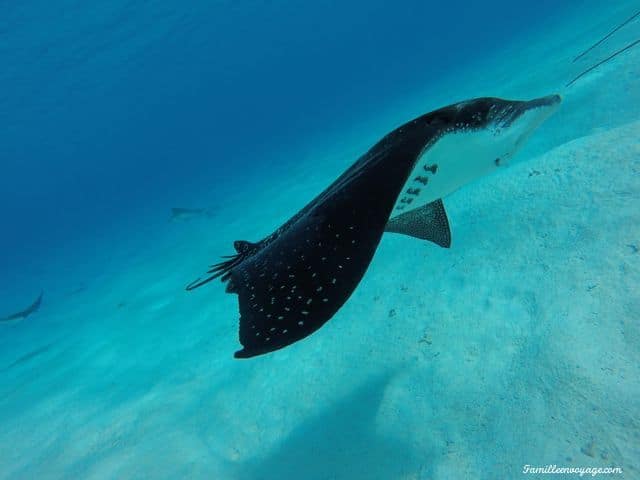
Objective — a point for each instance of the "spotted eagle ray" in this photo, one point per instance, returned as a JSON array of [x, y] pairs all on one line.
[[24, 313], [293, 281]]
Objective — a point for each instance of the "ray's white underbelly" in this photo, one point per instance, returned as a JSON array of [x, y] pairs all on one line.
[[452, 162]]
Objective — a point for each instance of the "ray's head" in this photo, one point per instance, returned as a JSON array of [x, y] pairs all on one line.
[[508, 123]]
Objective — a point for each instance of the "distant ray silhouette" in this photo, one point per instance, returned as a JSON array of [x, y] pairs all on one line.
[[34, 307], [179, 213], [28, 356]]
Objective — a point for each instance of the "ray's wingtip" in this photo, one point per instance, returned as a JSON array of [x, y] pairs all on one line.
[[242, 354]]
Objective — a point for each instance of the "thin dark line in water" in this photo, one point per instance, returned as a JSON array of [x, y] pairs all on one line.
[[606, 36], [615, 54], [28, 356]]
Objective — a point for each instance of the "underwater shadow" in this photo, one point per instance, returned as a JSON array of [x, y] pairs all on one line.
[[339, 443]]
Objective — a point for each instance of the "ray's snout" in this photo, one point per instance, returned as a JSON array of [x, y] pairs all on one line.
[[548, 101], [540, 109]]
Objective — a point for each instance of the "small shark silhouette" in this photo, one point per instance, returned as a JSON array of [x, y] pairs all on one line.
[[21, 315], [178, 213]]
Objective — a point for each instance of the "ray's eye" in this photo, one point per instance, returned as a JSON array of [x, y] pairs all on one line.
[[497, 162]]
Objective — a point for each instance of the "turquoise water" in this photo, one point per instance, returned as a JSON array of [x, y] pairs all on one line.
[[519, 345]]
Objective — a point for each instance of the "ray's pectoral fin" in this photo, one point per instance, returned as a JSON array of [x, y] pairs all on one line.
[[429, 222]]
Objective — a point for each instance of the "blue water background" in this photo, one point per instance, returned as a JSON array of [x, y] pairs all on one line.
[[112, 112]]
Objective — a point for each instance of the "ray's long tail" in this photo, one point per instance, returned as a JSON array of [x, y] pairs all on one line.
[[610, 57]]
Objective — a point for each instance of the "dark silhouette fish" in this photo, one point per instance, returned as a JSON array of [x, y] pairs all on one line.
[[34, 307], [178, 213], [291, 282], [27, 357]]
